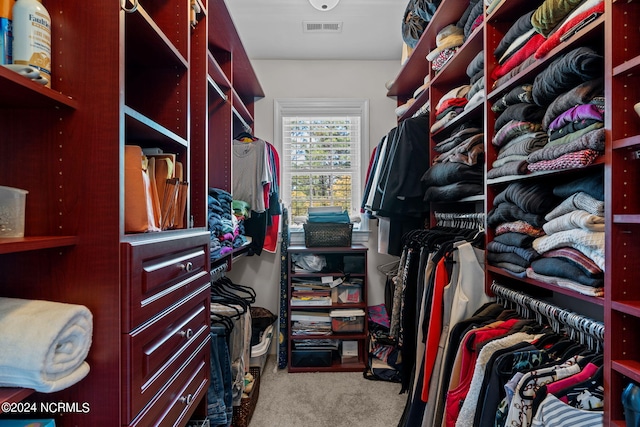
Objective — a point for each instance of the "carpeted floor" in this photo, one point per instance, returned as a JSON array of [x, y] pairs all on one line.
[[325, 400]]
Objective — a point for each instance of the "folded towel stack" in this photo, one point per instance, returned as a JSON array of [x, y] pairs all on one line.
[[43, 344]]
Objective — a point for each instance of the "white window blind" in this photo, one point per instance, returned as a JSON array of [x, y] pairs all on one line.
[[321, 164]]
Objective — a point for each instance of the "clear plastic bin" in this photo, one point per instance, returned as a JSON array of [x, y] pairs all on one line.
[[12, 207], [260, 351]]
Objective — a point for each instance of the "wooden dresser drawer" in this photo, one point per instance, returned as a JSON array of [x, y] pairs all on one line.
[[176, 403], [156, 351], [159, 272]]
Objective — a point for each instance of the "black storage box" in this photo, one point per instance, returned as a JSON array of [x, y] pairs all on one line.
[[311, 358]]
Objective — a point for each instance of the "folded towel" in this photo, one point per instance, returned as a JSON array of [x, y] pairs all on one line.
[[43, 344]]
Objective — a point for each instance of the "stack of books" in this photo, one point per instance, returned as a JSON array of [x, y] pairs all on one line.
[[310, 323], [308, 292]]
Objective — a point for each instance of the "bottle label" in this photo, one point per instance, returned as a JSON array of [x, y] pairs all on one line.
[[6, 41]]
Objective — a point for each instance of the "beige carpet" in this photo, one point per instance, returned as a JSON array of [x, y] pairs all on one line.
[[325, 400]]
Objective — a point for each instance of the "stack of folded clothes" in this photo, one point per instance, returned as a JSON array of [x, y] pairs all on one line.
[[450, 106], [518, 218], [457, 172], [475, 72], [518, 132], [222, 224], [516, 49], [451, 37], [572, 248], [537, 32], [574, 122], [578, 67]]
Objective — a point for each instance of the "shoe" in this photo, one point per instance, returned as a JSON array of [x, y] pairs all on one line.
[[631, 404]]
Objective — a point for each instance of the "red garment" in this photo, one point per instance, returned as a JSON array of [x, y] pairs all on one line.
[[451, 102], [470, 347], [554, 39], [441, 279], [523, 53], [271, 234]]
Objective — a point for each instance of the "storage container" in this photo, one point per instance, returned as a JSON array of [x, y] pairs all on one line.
[[347, 321], [311, 358], [326, 234], [12, 208], [260, 351]]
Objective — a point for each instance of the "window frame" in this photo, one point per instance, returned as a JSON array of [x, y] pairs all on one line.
[[284, 107]]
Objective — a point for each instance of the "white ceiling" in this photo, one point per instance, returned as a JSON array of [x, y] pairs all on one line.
[[273, 29]]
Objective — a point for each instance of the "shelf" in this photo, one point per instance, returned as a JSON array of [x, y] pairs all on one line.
[[473, 113], [14, 395], [630, 307], [141, 28], [411, 75], [347, 337], [216, 72], [630, 67], [19, 92], [139, 127], [598, 301], [455, 70], [514, 178], [590, 35], [336, 366], [23, 244], [224, 36], [626, 218], [337, 305], [628, 368], [421, 100], [323, 249], [631, 142]]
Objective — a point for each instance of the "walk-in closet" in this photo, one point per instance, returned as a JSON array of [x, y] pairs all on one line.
[[345, 213]]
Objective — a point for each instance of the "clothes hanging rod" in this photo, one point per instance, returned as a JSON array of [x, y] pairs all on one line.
[[587, 331], [218, 272], [218, 89], [242, 120]]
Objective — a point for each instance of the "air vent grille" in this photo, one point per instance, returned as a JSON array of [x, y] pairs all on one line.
[[322, 27]]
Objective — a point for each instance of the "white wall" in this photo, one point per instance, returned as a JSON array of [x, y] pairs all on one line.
[[318, 79]]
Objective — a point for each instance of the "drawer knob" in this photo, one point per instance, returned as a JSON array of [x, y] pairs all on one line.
[[187, 267], [187, 400], [187, 334]]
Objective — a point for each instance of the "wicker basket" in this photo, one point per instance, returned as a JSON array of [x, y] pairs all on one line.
[[242, 413], [317, 234]]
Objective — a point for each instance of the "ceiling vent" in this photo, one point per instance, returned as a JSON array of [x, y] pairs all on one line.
[[322, 27]]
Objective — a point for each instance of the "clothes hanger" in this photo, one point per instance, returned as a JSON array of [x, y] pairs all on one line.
[[245, 135]]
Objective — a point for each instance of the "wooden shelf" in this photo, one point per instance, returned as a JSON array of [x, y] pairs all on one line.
[[22, 244], [590, 35], [141, 31], [626, 218], [632, 142], [627, 68], [455, 70], [628, 368], [412, 73], [475, 112], [336, 366], [360, 337], [631, 307], [142, 128], [19, 91], [598, 301], [14, 395]]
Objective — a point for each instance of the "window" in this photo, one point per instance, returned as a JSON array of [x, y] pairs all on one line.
[[323, 144]]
